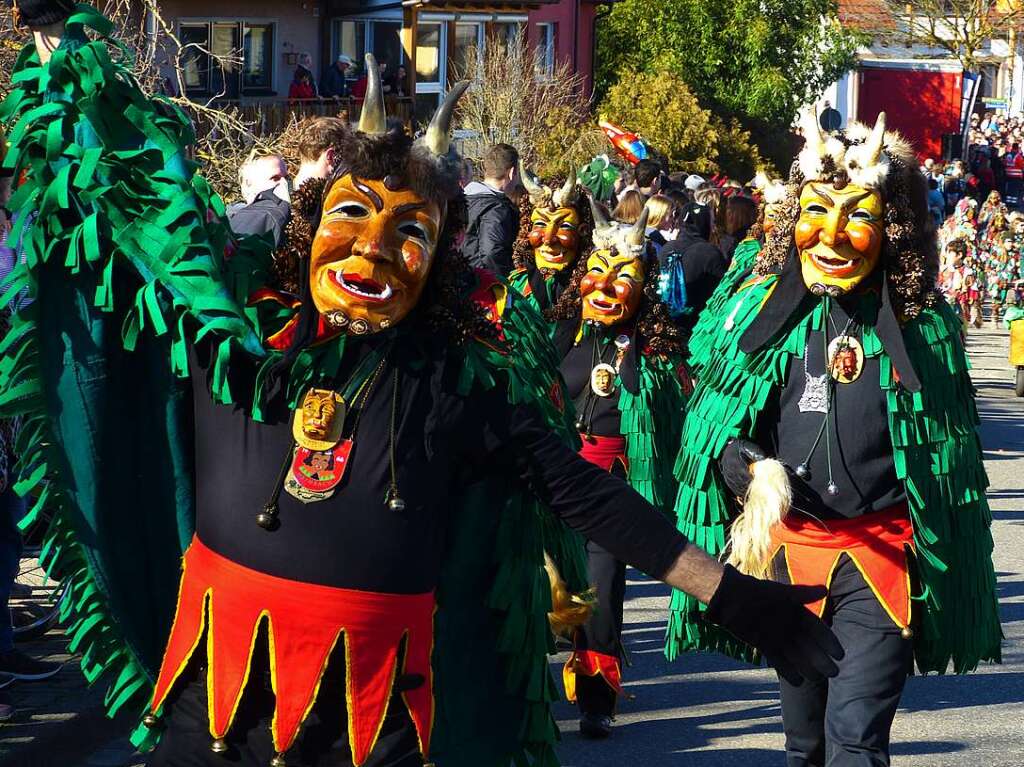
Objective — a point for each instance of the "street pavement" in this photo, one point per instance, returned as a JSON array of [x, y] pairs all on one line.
[[703, 710], [707, 711]]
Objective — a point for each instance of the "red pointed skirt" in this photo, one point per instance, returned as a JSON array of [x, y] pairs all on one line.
[[228, 602]]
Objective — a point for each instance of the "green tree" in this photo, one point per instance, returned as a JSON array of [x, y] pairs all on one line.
[[661, 108], [754, 60]]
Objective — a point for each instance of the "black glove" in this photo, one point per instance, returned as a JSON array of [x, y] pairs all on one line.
[[39, 13], [772, 617], [735, 464]]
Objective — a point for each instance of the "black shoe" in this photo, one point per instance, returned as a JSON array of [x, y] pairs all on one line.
[[20, 666], [595, 726]]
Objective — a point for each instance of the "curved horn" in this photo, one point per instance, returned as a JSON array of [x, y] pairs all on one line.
[[597, 212], [877, 139], [636, 235], [563, 197], [436, 139], [812, 132], [372, 120], [531, 183]]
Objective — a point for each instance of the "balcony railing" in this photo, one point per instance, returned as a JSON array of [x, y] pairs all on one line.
[[270, 116]]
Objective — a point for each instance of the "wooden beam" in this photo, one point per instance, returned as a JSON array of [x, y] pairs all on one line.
[[410, 19]]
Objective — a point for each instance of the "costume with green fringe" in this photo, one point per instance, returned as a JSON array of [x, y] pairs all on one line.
[[649, 406], [542, 292], [937, 455], [124, 259]]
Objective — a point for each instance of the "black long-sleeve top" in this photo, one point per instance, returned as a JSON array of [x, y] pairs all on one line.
[[443, 441], [862, 463]]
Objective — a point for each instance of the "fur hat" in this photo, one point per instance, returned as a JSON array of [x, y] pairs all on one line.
[[882, 161], [381, 150], [543, 196]]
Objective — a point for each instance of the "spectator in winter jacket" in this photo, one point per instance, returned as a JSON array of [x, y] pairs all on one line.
[[703, 263], [936, 202], [334, 84], [493, 219], [264, 182]]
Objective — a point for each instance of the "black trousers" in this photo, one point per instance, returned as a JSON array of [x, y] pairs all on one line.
[[845, 721], [322, 742], [603, 632]]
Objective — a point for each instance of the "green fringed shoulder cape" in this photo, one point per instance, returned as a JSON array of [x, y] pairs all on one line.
[[123, 249], [651, 423], [937, 453], [520, 280]]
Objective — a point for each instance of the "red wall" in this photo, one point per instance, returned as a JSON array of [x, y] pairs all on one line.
[[920, 104], [575, 19]]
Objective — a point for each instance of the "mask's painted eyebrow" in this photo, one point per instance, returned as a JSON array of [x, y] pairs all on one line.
[[378, 203], [821, 194], [409, 207]]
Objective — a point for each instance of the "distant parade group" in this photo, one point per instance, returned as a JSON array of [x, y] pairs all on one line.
[[327, 491]]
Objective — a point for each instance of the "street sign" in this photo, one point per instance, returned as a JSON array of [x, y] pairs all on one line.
[[995, 103]]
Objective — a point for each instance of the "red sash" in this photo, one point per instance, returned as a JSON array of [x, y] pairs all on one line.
[[877, 543], [603, 452], [305, 621]]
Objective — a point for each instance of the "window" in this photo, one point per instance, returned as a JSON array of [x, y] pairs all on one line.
[[355, 38], [428, 54], [246, 50], [468, 38], [508, 32], [547, 35]]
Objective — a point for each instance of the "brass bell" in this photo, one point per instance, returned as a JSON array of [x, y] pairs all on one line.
[[278, 761], [219, 746], [396, 504], [267, 519], [907, 632], [151, 720]]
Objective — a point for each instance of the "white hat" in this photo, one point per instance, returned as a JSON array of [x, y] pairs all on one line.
[[693, 182], [345, 59]]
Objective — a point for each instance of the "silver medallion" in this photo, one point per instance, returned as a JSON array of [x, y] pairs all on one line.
[[815, 396]]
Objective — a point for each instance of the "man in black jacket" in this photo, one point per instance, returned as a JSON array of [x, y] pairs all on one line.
[[493, 217], [266, 191], [703, 263]]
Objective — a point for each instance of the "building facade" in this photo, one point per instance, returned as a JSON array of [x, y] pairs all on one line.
[[920, 88], [428, 39]]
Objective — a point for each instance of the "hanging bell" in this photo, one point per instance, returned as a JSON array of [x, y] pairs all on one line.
[[219, 746], [278, 761], [394, 500], [150, 720], [267, 519], [907, 632], [832, 489], [802, 471], [580, 425]]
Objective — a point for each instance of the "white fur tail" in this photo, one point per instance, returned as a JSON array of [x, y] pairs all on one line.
[[766, 504]]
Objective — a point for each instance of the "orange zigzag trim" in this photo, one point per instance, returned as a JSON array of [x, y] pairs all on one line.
[[230, 601]]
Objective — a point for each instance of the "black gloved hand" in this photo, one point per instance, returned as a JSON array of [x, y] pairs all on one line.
[[735, 464], [772, 617]]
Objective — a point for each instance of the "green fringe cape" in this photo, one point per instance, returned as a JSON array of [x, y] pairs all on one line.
[[124, 252], [937, 453]]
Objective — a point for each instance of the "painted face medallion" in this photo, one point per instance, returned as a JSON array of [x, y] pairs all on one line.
[[602, 380], [554, 237], [612, 286], [839, 236], [372, 253], [314, 475], [846, 358]]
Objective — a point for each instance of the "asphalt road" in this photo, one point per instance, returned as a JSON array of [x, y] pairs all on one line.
[[707, 711]]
